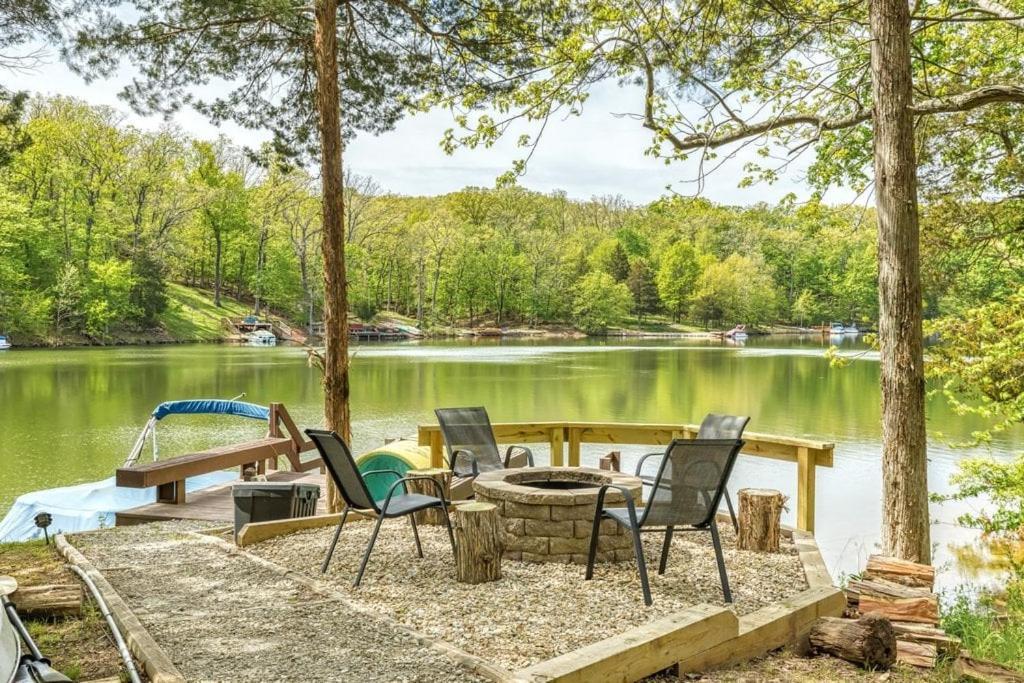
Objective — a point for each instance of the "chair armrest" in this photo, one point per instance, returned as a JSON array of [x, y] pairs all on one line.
[[640, 462], [630, 504], [474, 468], [404, 483], [394, 473], [529, 455]]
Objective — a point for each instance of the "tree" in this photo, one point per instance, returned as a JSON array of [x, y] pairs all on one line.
[[838, 77], [677, 276], [600, 302], [643, 287], [610, 257], [287, 74]]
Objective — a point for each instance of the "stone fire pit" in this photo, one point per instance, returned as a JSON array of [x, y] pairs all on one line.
[[548, 512]]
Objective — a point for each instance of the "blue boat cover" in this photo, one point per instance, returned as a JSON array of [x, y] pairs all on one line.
[[211, 406]]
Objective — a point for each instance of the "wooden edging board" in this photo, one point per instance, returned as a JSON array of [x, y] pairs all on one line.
[[158, 666]]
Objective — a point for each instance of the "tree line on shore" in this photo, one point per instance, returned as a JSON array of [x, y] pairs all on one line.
[[96, 216]]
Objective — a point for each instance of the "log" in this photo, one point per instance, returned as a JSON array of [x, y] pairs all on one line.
[[442, 477], [612, 461], [900, 571], [760, 520], [48, 600], [918, 610], [868, 641], [981, 671], [921, 655], [881, 588], [946, 645], [478, 543]]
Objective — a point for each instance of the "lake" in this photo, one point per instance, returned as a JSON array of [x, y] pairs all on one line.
[[71, 416]]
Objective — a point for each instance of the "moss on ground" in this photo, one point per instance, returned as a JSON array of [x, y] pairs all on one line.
[[80, 647]]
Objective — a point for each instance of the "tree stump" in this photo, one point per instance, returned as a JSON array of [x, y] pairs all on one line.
[[869, 641], [760, 520], [442, 477], [478, 543]]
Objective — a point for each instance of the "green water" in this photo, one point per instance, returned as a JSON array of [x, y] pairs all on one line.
[[71, 416]]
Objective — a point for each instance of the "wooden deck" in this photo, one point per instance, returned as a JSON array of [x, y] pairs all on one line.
[[212, 504]]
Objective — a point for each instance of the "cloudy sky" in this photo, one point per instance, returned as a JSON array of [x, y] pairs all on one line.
[[595, 154]]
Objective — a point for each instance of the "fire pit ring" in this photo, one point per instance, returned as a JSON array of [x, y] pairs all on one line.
[[548, 512]]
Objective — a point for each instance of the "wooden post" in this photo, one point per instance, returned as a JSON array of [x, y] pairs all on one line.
[[478, 543], [172, 492], [557, 441], [436, 449], [574, 446], [805, 463], [868, 641], [442, 477], [50, 600], [612, 461], [760, 520]]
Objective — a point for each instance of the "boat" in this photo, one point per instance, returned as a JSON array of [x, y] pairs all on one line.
[[261, 338], [737, 333], [93, 505], [851, 329], [837, 329], [4, 343]]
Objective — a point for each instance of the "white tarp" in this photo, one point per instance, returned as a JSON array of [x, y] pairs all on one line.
[[84, 507]]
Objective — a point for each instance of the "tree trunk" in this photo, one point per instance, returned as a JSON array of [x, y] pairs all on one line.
[[443, 477], [868, 641], [905, 531], [328, 103], [478, 543], [760, 520], [217, 251]]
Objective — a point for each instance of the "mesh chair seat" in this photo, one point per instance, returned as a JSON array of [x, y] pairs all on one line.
[[403, 504]]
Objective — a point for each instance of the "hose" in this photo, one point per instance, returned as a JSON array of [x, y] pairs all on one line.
[[126, 656]]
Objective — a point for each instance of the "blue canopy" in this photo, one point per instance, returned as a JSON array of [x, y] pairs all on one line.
[[211, 406]]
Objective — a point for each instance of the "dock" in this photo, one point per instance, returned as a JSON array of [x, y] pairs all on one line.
[[214, 504]]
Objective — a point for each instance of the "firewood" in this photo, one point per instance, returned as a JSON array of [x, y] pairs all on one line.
[[478, 543], [760, 520], [918, 610], [48, 600], [882, 588], [921, 655], [981, 671], [900, 571], [868, 641], [946, 645]]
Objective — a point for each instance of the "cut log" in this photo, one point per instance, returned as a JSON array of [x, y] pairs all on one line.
[[760, 520], [882, 588], [900, 571], [48, 600], [868, 641], [921, 655], [478, 543], [918, 610], [946, 645], [612, 461], [444, 479], [981, 671]]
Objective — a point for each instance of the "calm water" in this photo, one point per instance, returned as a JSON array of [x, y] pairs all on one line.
[[71, 416]]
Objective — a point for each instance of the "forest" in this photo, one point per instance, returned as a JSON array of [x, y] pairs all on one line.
[[97, 217]]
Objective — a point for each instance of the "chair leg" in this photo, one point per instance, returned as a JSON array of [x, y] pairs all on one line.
[[330, 552], [416, 534], [592, 552], [720, 559], [638, 548], [664, 549], [732, 513], [448, 523], [369, 549]]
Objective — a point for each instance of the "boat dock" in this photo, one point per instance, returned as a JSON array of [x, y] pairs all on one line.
[[214, 504]]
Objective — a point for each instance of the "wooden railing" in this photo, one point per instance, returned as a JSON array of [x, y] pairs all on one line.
[[805, 453], [168, 476]]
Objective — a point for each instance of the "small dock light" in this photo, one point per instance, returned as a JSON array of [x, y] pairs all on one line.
[[43, 521]]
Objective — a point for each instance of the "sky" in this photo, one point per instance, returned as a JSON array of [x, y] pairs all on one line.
[[595, 154]]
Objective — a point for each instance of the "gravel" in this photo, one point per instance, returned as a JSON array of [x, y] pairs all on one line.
[[536, 611], [226, 617]]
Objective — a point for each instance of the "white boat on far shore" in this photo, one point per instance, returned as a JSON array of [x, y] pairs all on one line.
[[4, 343]]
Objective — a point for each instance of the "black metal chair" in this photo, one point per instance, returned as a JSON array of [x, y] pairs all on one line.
[[470, 441], [714, 426], [346, 475], [687, 490]]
